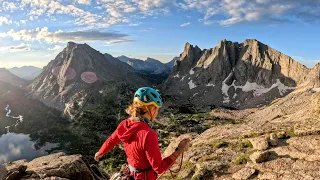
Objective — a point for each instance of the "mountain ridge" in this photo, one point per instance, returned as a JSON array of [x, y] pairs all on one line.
[[240, 70], [77, 73], [26, 72]]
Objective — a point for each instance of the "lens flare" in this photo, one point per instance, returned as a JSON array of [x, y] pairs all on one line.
[[89, 77], [69, 73]]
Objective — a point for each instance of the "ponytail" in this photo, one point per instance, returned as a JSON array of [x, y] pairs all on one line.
[[136, 110]]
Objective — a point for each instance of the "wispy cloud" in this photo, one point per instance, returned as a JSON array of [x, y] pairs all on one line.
[[118, 11], [44, 35], [306, 62], [185, 24], [20, 47], [86, 2], [56, 48], [252, 11]]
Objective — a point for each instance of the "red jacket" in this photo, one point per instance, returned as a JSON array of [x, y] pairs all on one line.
[[141, 147]]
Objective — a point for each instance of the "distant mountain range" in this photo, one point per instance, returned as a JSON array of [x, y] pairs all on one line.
[[233, 75], [8, 77], [150, 65], [26, 72]]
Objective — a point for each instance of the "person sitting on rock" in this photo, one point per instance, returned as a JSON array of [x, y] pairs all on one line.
[[139, 140]]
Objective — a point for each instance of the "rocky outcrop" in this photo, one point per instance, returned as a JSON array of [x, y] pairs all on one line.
[[54, 166], [259, 157], [236, 75], [78, 75], [259, 143], [313, 78]]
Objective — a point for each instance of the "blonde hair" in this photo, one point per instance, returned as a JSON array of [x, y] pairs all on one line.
[[136, 110]]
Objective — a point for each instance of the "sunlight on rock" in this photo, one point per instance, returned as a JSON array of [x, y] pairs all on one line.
[[60, 71]]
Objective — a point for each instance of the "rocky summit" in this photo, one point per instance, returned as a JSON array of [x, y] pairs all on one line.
[[234, 75], [77, 74]]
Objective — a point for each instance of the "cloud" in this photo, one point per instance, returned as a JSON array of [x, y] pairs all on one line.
[[134, 24], [8, 6], [4, 20], [18, 48], [185, 24], [308, 63], [86, 2], [119, 41], [23, 21], [44, 35], [56, 48], [115, 11], [233, 12]]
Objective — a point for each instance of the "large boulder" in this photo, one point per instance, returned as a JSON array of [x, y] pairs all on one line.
[[60, 165], [259, 157]]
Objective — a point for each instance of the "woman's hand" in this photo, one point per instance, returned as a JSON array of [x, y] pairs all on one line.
[[180, 149], [183, 144], [97, 156]]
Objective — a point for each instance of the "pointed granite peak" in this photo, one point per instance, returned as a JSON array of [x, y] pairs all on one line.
[[71, 44]]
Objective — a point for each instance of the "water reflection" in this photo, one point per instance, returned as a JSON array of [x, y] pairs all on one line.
[[19, 146]]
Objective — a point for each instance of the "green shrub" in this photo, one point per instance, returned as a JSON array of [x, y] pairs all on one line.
[[242, 159]]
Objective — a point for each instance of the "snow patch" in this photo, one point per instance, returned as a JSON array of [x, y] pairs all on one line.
[[19, 118], [225, 89], [191, 72], [226, 100], [210, 84], [258, 90], [101, 91], [8, 129], [176, 76], [195, 94], [191, 85], [235, 95], [183, 78]]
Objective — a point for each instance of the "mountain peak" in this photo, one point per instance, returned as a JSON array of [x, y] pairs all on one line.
[[71, 44], [252, 41], [151, 60]]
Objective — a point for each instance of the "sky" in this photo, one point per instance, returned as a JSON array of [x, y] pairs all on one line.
[[33, 32]]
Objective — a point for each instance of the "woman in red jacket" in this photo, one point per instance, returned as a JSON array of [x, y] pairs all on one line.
[[139, 140]]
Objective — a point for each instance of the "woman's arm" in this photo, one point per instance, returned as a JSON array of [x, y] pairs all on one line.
[[153, 154], [112, 141]]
